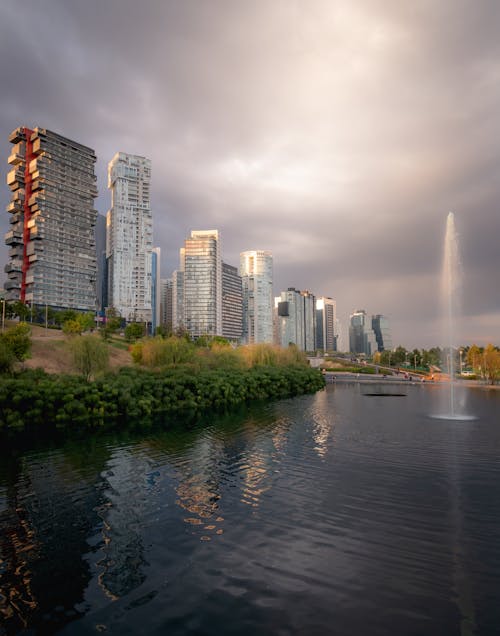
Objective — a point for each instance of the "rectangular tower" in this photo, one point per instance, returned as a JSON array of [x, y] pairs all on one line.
[[203, 284], [256, 271], [231, 303], [129, 238], [52, 243]]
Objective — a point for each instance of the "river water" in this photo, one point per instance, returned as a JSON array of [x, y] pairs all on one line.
[[337, 513]]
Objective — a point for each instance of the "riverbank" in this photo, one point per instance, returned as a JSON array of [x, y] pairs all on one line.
[[35, 400]]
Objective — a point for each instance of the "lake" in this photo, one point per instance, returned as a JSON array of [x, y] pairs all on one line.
[[336, 513]]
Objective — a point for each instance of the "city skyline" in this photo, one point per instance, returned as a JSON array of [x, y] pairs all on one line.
[[336, 137]]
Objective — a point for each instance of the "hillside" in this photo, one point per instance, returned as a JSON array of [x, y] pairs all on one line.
[[50, 352]]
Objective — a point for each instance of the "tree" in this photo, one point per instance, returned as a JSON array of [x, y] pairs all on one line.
[[21, 310], [473, 357], [134, 331], [491, 361], [18, 340], [90, 356], [112, 323]]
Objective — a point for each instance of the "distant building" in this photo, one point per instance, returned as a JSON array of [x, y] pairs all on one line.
[[129, 241], [361, 335], [256, 271], [52, 255], [382, 330], [203, 283], [326, 319], [231, 303], [296, 319], [166, 305], [102, 269], [155, 289], [178, 323]]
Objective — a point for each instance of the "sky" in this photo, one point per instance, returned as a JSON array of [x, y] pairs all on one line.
[[338, 134]]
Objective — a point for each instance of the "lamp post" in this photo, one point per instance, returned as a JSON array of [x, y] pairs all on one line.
[[461, 352], [3, 314], [415, 361]]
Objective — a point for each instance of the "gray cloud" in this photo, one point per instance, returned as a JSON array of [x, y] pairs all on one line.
[[337, 135]]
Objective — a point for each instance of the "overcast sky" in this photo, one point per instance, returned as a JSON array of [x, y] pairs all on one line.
[[336, 134]]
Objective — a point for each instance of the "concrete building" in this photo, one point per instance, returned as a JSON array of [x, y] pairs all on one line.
[[203, 284], [382, 330], [129, 241], [256, 271], [52, 243], [361, 335], [102, 268], [296, 319], [326, 318], [178, 323], [232, 296]]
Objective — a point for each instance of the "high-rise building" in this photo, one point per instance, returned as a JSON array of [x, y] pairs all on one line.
[[203, 283], [130, 237], [361, 335], [166, 287], [155, 288], [382, 330], [52, 243], [101, 277], [296, 319], [231, 303], [326, 317], [256, 271], [178, 323]]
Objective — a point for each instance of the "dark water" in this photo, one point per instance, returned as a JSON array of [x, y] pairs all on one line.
[[337, 513]]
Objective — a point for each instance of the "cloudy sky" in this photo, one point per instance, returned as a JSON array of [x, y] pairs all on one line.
[[338, 134]]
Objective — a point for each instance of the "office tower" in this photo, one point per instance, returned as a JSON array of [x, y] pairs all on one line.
[[296, 319], [256, 271], [101, 277], [231, 303], [178, 295], [361, 335], [129, 240], [52, 244], [382, 330], [155, 288], [203, 284], [326, 316], [166, 287]]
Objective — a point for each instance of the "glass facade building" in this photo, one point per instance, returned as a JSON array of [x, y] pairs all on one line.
[[256, 271], [326, 319], [382, 330], [203, 284], [296, 319], [361, 335], [231, 303]]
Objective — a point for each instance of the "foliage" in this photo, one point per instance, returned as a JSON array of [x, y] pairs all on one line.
[[21, 310], [6, 357], [90, 356], [34, 399], [159, 352], [134, 331], [112, 323], [491, 364], [17, 339]]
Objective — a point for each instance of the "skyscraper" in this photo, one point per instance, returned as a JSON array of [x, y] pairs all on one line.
[[129, 240], [361, 335], [231, 303], [155, 289], [203, 283], [256, 271], [166, 304], [382, 330], [296, 319], [326, 317], [52, 244]]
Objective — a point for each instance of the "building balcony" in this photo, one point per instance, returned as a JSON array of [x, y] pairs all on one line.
[[13, 238], [17, 135], [16, 251], [15, 179], [15, 158], [10, 285], [13, 266], [14, 206]]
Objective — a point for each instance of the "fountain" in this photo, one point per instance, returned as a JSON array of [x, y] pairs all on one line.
[[451, 289]]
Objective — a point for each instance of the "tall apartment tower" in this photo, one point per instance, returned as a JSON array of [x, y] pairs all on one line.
[[256, 271], [178, 323], [203, 283], [155, 289], [129, 237], [382, 330], [52, 243], [231, 303], [166, 305], [326, 318]]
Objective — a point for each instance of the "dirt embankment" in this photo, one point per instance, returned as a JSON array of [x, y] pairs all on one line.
[[50, 351]]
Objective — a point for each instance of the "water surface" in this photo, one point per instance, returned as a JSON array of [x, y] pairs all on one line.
[[338, 513]]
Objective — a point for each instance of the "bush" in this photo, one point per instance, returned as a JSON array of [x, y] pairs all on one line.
[[90, 355], [17, 340]]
